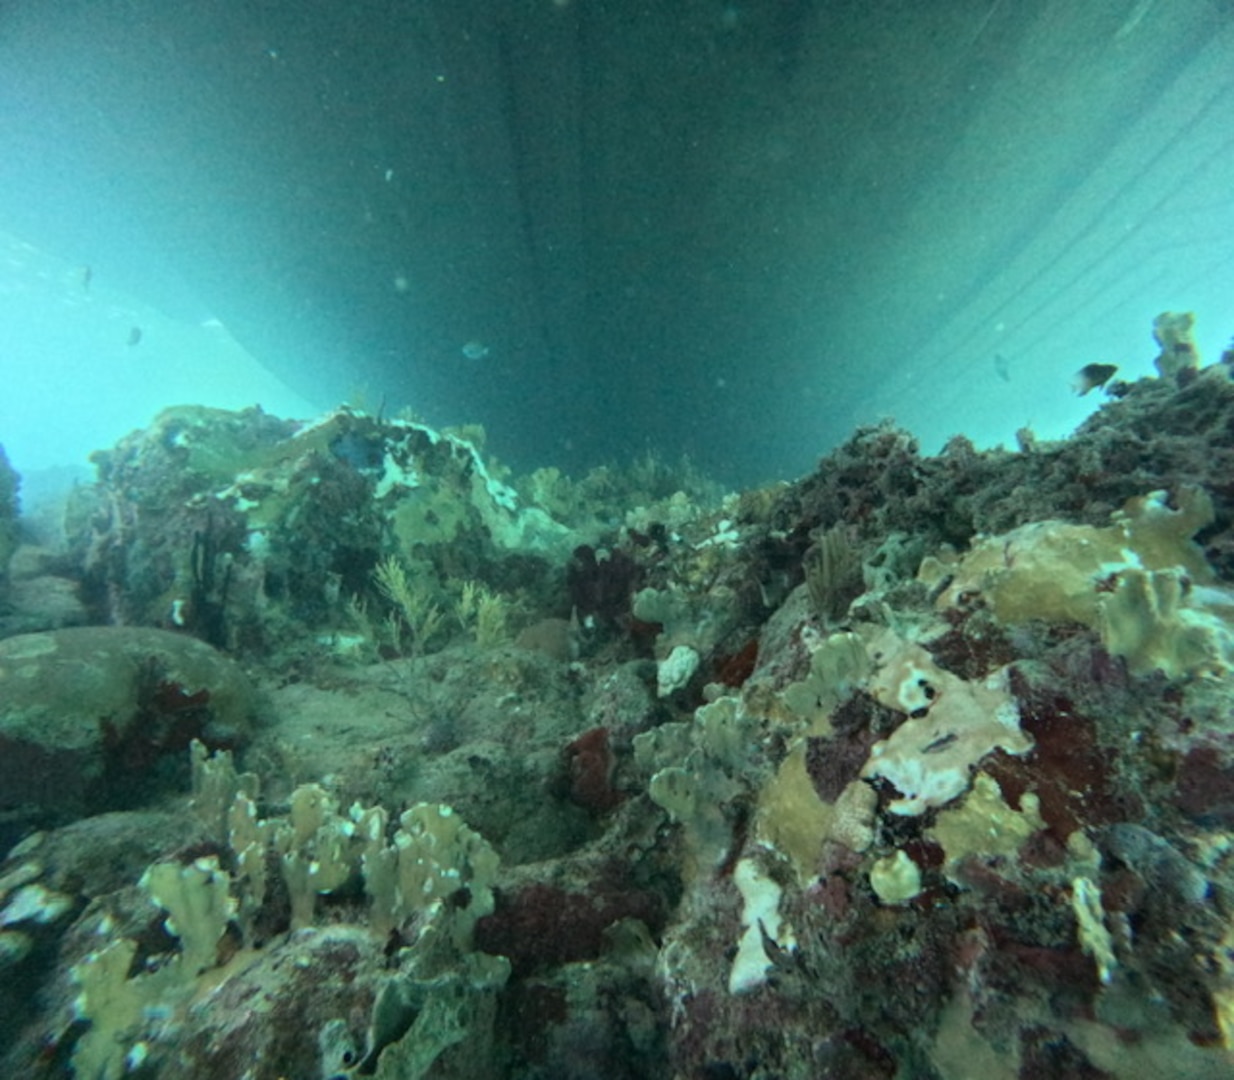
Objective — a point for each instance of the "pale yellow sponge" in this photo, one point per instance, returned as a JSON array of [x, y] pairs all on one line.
[[1057, 571], [796, 822], [895, 879], [1141, 581], [985, 825]]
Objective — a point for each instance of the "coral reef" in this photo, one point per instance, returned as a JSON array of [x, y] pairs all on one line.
[[916, 767]]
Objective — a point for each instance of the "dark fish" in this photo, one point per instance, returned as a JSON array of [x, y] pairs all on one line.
[[87, 276], [1090, 376], [1002, 367], [134, 337]]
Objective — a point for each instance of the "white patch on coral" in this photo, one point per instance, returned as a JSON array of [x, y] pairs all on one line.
[[33, 903], [676, 669], [761, 916], [394, 475], [931, 756]]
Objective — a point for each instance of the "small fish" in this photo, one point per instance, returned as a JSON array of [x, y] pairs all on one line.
[[1090, 376], [87, 276], [134, 337], [475, 350], [1002, 367]]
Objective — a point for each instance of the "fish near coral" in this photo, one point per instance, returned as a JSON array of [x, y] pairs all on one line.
[[1091, 376]]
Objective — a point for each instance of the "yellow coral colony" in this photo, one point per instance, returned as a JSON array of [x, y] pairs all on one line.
[[1141, 581]]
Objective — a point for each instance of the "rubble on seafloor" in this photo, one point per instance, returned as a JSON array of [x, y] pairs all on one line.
[[918, 767]]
